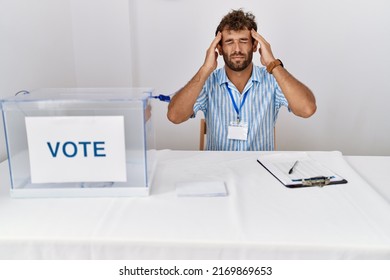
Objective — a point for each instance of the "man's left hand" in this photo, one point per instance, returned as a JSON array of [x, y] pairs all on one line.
[[265, 51]]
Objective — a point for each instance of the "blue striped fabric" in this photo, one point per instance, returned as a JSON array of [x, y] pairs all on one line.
[[260, 110]]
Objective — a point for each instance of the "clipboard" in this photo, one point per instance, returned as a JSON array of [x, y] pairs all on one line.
[[298, 170]]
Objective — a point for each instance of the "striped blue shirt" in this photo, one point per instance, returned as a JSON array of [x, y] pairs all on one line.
[[260, 110]]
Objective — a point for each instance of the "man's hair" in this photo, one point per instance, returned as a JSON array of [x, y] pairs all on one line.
[[237, 20]]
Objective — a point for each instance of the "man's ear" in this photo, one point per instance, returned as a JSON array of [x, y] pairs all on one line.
[[219, 48]]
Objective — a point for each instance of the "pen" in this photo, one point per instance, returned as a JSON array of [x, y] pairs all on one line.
[[292, 168]]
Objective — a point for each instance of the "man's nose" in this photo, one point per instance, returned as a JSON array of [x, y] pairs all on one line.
[[237, 46]]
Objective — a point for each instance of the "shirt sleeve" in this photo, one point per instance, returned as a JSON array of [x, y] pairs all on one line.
[[280, 99], [201, 103]]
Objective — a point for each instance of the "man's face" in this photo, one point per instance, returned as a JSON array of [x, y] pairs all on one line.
[[237, 49]]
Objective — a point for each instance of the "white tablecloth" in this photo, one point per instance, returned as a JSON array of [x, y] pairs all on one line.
[[259, 219], [375, 171]]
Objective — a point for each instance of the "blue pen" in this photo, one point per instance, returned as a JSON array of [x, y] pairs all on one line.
[[161, 97]]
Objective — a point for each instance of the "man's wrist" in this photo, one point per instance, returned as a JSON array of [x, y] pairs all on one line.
[[206, 69], [273, 64]]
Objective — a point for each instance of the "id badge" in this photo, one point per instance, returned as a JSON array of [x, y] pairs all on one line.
[[238, 130]]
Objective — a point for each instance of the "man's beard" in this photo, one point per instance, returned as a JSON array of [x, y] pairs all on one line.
[[238, 66]]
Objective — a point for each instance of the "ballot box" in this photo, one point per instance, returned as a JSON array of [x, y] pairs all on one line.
[[80, 142]]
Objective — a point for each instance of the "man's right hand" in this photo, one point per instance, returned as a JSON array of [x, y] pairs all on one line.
[[211, 60], [181, 107]]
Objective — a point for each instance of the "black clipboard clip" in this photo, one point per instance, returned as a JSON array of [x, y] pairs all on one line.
[[316, 181]]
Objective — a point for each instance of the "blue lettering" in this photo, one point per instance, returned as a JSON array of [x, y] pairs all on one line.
[[96, 149], [66, 144], [53, 153], [85, 147], [70, 149]]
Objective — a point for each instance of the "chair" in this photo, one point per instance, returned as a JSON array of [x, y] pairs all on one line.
[[203, 132]]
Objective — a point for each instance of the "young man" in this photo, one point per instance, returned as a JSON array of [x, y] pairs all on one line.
[[241, 100]]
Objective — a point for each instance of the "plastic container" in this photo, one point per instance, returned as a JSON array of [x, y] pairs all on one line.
[[80, 142]]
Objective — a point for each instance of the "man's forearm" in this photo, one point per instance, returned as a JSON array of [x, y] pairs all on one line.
[[182, 103], [300, 98]]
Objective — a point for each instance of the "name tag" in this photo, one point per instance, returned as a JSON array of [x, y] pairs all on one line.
[[238, 131], [76, 149]]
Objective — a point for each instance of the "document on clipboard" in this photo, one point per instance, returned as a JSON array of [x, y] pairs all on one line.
[[295, 170]]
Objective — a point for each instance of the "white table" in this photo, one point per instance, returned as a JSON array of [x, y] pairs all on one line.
[[259, 219], [375, 171]]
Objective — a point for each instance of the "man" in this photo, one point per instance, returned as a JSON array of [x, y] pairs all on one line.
[[240, 101]]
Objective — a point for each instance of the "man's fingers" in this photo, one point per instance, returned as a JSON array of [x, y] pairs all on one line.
[[216, 40], [258, 37], [266, 55]]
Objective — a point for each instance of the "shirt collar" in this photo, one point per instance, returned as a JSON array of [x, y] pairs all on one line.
[[223, 78]]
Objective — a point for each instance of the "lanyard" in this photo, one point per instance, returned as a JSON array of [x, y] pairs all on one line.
[[238, 110]]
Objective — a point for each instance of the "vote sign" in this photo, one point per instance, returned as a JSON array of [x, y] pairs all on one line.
[[76, 149]]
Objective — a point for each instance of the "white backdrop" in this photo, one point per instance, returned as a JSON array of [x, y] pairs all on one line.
[[339, 48]]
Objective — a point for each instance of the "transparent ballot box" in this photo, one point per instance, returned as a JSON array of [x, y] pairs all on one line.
[[80, 142]]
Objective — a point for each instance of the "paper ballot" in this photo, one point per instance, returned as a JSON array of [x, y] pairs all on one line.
[[201, 189]]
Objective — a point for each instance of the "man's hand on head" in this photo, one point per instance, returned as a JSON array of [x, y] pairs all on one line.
[[265, 51], [211, 60]]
